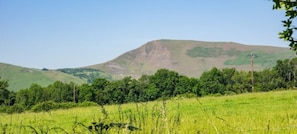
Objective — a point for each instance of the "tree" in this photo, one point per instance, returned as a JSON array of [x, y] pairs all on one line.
[[212, 82], [228, 81], [266, 80], [166, 81], [99, 83], [152, 93], [291, 13], [135, 92], [60, 92], [287, 72], [22, 98], [36, 94], [143, 84], [242, 82], [86, 93], [185, 85], [99, 86], [4, 93], [115, 93]]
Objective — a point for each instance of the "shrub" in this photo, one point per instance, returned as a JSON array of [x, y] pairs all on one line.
[[16, 108], [3, 109], [188, 95], [87, 104], [44, 106], [66, 105], [215, 95], [229, 93], [50, 105]]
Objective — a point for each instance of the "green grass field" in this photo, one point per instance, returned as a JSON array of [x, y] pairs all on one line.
[[270, 112]]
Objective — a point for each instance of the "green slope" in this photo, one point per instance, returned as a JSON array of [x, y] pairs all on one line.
[[21, 77], [87, 74]]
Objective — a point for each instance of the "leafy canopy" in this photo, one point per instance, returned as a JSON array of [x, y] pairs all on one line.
[[291, 12]]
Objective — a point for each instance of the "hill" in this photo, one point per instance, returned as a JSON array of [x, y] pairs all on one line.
[[191, 58], [187, 57], [21, 77]]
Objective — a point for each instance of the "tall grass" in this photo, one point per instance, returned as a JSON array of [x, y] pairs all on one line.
[[271, 112]]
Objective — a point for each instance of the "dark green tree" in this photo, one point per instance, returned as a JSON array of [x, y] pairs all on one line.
[[166, 81], [135, 91], [185, 85], [212, 82], [22, 98], [60, 92], [99, 88], [152, 93], [228, 73], [143, 85], [36, 94], [31, 96], [100, 83], [116, 92], [266, 80], [4, 92], [242, 82], [86, 93], [12, 98], [287, 71]]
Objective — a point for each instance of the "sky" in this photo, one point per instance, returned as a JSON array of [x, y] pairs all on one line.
[[76, 33]]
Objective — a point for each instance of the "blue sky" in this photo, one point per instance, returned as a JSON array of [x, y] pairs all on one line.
[[75, 33]]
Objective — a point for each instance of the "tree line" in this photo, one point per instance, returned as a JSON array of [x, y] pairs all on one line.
[[163, 84]]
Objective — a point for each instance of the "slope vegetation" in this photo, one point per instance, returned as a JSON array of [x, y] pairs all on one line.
[[191, 58]]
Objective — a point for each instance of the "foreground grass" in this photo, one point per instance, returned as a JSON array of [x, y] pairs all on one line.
[[271, 112]]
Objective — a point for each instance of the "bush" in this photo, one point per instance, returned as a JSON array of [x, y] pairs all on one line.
[[66, 105], [188, 95], [16, 108], [3, 109], [87, 104], [44, 106], [50, 105], [229, 93], [215, 95]]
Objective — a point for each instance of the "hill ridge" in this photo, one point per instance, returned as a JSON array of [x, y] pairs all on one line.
[[190, 57]]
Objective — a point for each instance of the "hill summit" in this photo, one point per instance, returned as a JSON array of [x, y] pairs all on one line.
[[191, 58]]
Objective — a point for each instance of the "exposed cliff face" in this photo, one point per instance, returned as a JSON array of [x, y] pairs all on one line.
[[155, 54], [190, 58]]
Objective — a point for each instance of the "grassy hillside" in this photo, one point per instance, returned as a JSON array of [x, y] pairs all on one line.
[[191, 58], [87, 74], [20, 77], [270, 112]]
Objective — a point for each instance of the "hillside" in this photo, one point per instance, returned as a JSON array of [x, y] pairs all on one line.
[[21, 77], [191, 58], [187, 57]]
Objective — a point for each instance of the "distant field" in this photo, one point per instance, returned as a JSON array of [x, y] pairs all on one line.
[[271, 112]]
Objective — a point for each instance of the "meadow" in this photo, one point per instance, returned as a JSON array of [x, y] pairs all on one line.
[[265, 112]]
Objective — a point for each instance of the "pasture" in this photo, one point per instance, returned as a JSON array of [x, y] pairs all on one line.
[[266, 112]]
